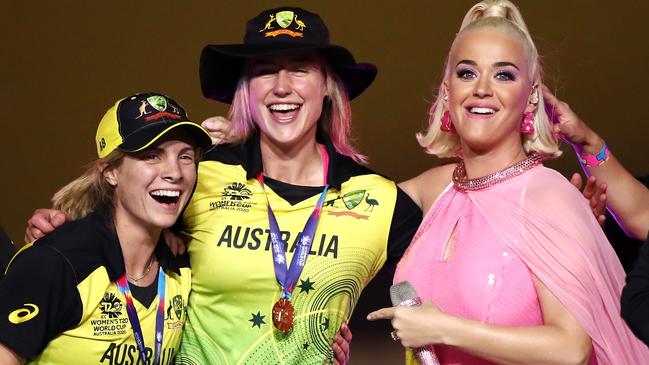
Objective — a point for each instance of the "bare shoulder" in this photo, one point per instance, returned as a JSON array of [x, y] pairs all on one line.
[[427, 186]]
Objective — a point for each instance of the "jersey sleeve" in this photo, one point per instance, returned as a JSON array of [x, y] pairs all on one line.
[[405, 221], [39, 300]]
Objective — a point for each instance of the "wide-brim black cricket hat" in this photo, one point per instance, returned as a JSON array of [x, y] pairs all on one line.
[[275, 31], [136, 122]]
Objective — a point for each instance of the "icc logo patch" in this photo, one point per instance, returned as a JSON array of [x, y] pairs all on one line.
[[237, 191], [234, 197], [111, 305]]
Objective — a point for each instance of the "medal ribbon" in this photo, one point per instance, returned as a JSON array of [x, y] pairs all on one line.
[[122, 285], [288, 277]]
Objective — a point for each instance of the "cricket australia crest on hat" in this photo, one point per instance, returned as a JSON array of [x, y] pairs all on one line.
[[141, 106], [284, 19], [137, 121], [158, 102]]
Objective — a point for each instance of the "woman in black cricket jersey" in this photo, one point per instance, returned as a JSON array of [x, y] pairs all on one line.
[[85, 293]]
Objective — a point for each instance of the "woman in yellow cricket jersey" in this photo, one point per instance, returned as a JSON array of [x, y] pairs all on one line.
[[104, 288]]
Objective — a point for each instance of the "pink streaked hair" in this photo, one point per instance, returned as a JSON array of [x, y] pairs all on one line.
[[335, 120]]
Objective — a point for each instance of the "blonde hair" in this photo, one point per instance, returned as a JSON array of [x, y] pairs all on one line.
[[502, 15], [335, 120], [90, 191]]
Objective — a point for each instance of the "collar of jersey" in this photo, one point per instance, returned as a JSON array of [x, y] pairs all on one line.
[[253, 163]]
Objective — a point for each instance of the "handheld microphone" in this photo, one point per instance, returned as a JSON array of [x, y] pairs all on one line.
[[403, 294]]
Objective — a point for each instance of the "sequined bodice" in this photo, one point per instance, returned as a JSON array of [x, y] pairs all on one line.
[[480, 278]]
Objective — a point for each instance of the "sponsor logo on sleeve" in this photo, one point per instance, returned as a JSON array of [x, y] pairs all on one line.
[[24, 314]]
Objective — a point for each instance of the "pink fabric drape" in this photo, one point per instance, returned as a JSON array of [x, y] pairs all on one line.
[[548, 224]]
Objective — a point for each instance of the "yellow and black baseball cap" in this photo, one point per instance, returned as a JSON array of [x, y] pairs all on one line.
[[137, 121]]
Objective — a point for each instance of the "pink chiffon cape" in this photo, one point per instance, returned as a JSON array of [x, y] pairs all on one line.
[[549, 225]]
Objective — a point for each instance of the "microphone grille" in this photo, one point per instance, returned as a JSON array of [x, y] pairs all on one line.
[[401, 292]]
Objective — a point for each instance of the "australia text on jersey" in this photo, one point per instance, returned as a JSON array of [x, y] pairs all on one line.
[[128, 354], [255, 238]]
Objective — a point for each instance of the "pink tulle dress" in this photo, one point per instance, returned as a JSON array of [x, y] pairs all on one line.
[[533, 223]]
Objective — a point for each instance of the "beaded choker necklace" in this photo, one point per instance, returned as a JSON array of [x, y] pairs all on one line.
[[462, 183]]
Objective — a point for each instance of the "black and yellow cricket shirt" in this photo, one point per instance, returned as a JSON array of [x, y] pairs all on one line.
[[60, 304], [365, 221]]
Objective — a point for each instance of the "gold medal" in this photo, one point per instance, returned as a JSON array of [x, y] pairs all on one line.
[[283, 315]]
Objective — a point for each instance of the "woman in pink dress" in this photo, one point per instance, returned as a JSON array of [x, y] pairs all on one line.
[[510, 262]]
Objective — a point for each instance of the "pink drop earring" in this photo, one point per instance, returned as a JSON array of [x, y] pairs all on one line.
[[527, 126], [446, 124]]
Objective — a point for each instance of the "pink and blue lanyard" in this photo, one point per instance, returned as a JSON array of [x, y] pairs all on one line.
[[288, 277], [122, 285]]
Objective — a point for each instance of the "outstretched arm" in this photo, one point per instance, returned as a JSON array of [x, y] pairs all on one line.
[[45, 221], [627, 198]]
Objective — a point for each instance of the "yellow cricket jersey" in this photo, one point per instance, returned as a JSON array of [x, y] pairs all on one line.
[[365, 220], [60, 304]]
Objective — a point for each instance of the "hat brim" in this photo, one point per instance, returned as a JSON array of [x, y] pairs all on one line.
[[146, 137], [221, 66]]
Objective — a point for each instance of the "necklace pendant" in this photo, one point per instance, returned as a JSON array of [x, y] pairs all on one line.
[[283, 315]]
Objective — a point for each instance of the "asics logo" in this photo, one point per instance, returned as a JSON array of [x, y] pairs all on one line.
[[23, 314]]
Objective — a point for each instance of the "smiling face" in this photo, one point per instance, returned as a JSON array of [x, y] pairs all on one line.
[[286, 97], [152, 186], [489, 88]]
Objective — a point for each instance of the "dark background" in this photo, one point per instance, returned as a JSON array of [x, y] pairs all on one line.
[[63, 63]]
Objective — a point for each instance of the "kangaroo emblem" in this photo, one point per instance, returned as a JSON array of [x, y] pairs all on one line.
[[332, 202], [268, 23], [143, 109], [300, 24], [169, 310]]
